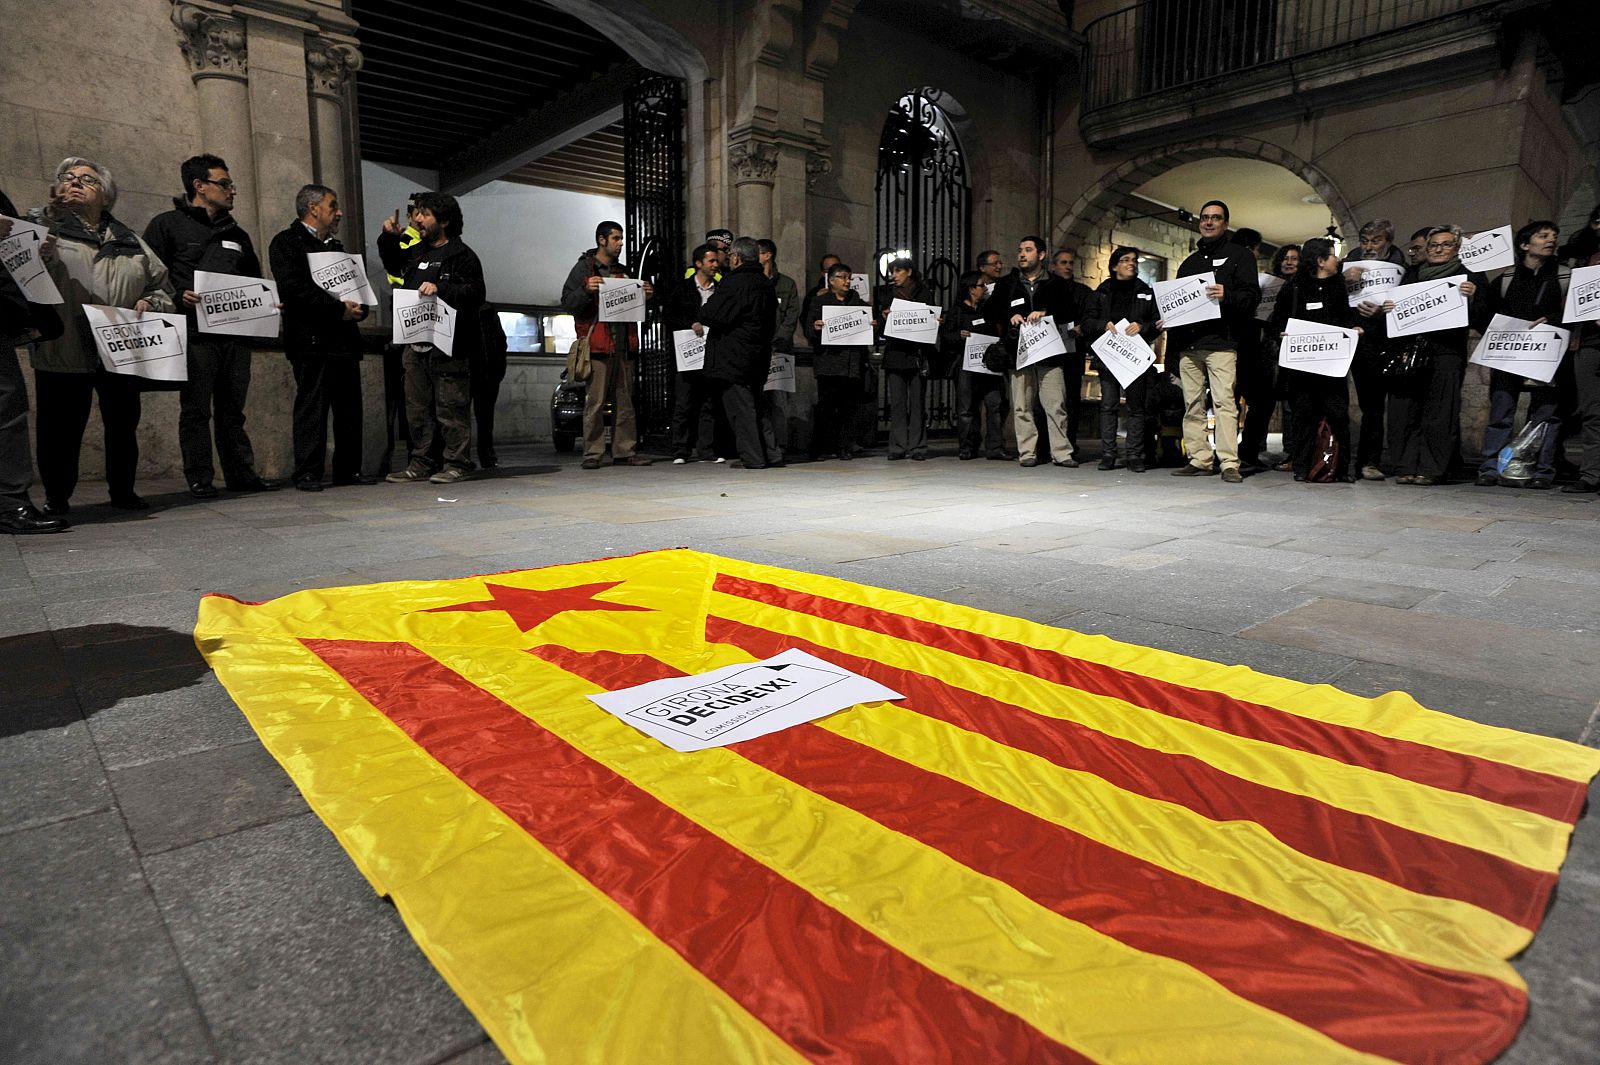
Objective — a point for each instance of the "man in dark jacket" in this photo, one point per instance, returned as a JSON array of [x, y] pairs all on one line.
[[17, 326], [199, 233], [439, 385], [323, 343], [611, 350], [1210, 349], [1377, 245], [1064, 267], [1531, 290], [1029, 293], [742, 316], [693, 417]]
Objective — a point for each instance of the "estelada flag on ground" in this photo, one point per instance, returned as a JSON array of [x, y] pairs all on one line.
[[1056, 847]]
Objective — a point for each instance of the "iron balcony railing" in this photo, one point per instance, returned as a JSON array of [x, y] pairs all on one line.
[[1157, 45]]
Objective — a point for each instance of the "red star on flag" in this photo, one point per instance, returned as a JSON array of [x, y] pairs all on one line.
[[532, 607]]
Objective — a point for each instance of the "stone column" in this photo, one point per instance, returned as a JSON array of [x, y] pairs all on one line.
[[329, 65], [753, 165], [218, 54]]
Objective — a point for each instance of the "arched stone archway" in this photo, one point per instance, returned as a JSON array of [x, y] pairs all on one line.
[[1091, 209]]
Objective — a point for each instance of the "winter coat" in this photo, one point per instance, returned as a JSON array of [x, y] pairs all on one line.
[[313, 318], [1055, 297], [1236, 271], [834, 360], [901, 354], [188, 239], [455, 269], [584, 306], [113, 268], [742, 316]]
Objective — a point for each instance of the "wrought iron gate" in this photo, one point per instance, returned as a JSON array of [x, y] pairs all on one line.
[[652, 127], [923, 207]]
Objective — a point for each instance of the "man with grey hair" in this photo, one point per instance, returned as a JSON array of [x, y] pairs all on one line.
[[742, 315], [323, 343], [1377, 245]]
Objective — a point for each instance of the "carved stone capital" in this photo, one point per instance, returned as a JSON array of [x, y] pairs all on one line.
[[329, 65], [753, 161], [818, 166], [215, 44]]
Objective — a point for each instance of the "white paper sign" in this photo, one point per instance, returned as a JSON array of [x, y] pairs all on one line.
[[780, 374], [236, 305], [916, 322], [1583, 296], [741, 702], [1315, 348], [1271, 285], [1125, 356], [621, 299], [858, 282], [689, 349], [1183, 301], [1517, 347], [1038, 340], [972, 353], [19, 253], [1378, 279], [344, 275], [150, 345], [1428, 306], [846, 325], [422, 319], [1489, 250]]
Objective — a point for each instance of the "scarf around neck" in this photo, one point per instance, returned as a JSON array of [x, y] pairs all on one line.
[[1431, 271]]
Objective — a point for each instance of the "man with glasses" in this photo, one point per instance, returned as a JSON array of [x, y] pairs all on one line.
[[199, 233], [992, 267], [1209, 351]]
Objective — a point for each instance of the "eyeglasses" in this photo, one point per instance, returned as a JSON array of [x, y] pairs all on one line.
[[226, 183], [1446, 246], [1213, 218], [88, 181]]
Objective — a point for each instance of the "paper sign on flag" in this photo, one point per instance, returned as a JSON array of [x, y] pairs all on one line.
[[344, 275], [1428, 306], [422, 319], [20, 254], [1271, 285], [153, 346], [1038, 340], [621, 299], [742, 701], [780, 373], [972, 354], [1516, 346], [846, 325], [1489, 250], [1326, 350], [859, 285], [689, 349], [1375, 283], [916, 322], [236, 305], [1125, 356], [1583, 296], [1183, 301]]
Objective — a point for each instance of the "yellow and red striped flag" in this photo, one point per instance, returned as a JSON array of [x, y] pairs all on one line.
[[1056, 847]]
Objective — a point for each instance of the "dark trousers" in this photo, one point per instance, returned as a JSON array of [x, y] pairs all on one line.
[[694, 422], [439, 406], [1072, 388], [324, 386], [1372, 395], [980, 412], [772, 411], [1256, 385], [1141, 442], [16, 462], [63, 413], [211, 402], [1504, 391], [395, 426], [833, 432], [486, 377], [1425, 417], [1313, 397], [908, 422], [1586, 374], [738, 402]]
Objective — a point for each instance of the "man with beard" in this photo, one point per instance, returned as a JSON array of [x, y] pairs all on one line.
[[1028, 294]]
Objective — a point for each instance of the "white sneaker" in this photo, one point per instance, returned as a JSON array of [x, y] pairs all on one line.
[[719, 459], [680, 462]]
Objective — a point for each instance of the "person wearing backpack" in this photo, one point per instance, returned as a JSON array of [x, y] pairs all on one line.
[[1534, 291], [1317, 294]]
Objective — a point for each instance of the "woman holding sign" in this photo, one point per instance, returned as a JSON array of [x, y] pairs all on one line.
[[93, 259], [905, 365], [1316, 294], [1425, 406], [839, 369], [1124, 304]]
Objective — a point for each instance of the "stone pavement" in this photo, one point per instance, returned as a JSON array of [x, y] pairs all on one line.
[[169, 898]]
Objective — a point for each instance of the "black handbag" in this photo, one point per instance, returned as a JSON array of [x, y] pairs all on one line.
[[1406, 362], [996, 359]]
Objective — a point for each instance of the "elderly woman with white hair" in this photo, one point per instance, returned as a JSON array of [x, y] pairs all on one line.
[[93, 259]]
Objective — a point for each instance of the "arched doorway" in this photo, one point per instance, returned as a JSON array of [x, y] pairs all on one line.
[[923, 195]]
